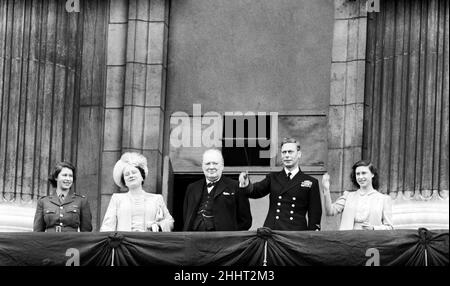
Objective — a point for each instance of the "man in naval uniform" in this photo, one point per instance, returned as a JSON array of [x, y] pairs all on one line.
[[293, 195], [215, 203]]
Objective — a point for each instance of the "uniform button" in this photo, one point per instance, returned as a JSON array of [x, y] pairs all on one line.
[[279, 197], [291, 218], [61, 215], [279, 204], [278, 211], [60, 223], [293, 205], [277, 217], [293, 198], [292, 212], [61, 207]]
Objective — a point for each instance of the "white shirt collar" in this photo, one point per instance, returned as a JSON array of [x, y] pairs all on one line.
[[209, 189], [209, 181], [293, 172], [61, 192]]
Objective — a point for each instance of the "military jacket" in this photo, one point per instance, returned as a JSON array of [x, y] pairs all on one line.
[[72, 214], [293, 204]]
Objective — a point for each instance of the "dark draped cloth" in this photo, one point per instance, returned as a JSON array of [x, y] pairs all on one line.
[[241, 248]]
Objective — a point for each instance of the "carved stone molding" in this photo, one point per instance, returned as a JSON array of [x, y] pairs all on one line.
[[426, 208]]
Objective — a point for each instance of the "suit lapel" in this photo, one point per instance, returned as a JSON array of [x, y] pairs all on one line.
[[219, 188], [54, 199], [69, 199], [198, 191], [289, 184]]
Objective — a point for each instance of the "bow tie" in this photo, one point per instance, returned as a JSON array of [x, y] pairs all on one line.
[[209, 185]]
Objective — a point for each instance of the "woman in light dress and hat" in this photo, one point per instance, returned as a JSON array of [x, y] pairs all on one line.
[[135, 210]]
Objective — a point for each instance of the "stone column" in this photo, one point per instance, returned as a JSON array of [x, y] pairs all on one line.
[[346, 112], [135, 91], [145, 81], [113, 109]]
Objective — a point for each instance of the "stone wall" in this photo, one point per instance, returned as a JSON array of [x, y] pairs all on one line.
[[135, 91], [346, 111]]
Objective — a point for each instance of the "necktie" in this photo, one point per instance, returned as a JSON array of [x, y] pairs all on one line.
[[211, 184], [289, 175], [61, 197]]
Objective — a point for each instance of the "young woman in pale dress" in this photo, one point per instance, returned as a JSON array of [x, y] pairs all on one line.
[[365, 208]]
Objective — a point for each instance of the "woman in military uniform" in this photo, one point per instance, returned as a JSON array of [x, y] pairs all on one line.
[[64, 210]]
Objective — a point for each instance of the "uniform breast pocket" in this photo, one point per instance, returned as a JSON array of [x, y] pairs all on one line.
[[73, 214], [49, 216]]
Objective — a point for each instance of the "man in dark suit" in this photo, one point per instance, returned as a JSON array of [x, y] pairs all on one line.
[[215, 203], [293, 194]]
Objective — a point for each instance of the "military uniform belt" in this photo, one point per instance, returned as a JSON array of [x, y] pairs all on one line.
[[58, 228]]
